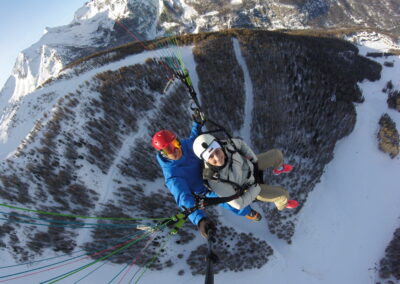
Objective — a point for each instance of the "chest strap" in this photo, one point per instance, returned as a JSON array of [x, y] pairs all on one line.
[[209, 174]]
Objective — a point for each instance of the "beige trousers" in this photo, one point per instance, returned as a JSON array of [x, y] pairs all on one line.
[[278, 195]]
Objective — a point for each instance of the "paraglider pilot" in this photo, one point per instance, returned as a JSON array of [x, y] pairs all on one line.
[[183, 173]]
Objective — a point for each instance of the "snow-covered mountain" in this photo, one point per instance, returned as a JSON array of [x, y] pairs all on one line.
[[79, 144], [102, 24]]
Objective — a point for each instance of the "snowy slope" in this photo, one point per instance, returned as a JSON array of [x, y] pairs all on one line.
[[351, 215], [345, 225]]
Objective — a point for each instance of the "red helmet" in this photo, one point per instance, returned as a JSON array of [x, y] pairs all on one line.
[[162, 139]]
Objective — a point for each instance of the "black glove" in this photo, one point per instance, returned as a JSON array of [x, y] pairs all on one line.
[[198, 116], [206, 227]]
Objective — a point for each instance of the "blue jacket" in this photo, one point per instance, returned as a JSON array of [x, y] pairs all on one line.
[[183, 177]]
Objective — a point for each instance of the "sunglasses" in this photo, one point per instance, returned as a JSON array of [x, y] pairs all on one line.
[[175, 144]]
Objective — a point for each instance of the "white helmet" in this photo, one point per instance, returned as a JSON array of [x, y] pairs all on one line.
[[204, 145]]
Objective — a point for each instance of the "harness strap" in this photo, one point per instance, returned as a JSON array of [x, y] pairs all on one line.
[[255, 171], [240, 189]]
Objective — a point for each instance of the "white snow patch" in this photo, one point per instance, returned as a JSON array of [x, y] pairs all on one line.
[[245, 131], [189, 13], [117, 10], [212, 13]]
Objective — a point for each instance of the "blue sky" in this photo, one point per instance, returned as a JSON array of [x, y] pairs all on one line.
[[22, 23]]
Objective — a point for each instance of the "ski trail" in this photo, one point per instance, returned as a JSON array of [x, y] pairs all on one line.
[[260, 230], [248, 88]]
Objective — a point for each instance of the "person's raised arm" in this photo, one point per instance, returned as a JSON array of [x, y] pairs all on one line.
[[196, 130], [198, 122]]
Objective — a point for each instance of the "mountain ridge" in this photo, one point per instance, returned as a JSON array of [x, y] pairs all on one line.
[[101, 24]]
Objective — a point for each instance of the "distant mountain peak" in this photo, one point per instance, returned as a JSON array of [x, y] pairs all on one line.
[[118, 9]]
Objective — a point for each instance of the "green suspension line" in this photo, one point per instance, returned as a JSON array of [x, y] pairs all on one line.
[[61, 277], [78, 216], [153, 259], [63, 261], [66, 222]]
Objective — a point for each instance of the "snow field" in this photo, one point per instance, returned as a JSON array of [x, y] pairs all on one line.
[[342, 230]]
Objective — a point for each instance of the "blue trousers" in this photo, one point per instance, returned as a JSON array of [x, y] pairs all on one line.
[[242, 212]]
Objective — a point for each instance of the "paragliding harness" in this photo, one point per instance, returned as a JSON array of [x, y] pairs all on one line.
[[213, 174], [184, 77], [203, 201], [209, 174]]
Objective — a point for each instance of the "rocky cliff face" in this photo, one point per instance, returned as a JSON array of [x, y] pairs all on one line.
[[90, 154], [212, 15], [95, 27]]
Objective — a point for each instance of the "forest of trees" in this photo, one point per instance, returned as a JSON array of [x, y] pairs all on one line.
[[304, 87]]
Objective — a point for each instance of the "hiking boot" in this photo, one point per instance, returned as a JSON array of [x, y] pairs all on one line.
[[285, 168], [254, 216], [292, 204]]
